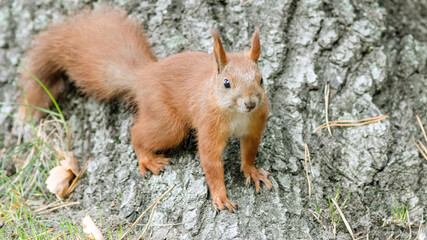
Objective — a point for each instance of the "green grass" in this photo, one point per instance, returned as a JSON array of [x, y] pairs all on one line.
[[331, 214], [23, 190], [332, 208], [399, 215], [17, 218]]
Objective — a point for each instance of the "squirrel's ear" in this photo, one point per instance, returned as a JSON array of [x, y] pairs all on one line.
[[218, 51], [255, 46]]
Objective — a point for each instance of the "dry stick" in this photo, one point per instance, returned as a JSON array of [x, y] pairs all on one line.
[[343, 218], [422, 128], [48, 206], [74, 183], [69, 197], [26, 202], [410, 232], [348, 123], [306, 170], [326, 108], [60, 235], [43, 233], [419, 228], [422, 146], [149, 219], [356, 121], [246, 2], [146, 211], [423, 152], [61, 206], [360, 232], [6, 216], [318, 219], [309, 161]]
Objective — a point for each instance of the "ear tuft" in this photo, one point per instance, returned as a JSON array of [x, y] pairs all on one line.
[[218, 51], [255, 46]]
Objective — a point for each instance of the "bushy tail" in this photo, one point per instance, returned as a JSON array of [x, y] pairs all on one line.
[[102, 50], [39, 65]]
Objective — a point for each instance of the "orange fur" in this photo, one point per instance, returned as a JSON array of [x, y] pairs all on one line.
[[107, 55]]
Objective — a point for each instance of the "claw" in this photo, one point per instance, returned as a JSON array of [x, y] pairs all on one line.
[[223, 203], [257, 175], [257, 186], [248, 181], [155, 165]]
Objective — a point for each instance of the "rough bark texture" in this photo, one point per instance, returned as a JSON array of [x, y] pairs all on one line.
[[373, 55]]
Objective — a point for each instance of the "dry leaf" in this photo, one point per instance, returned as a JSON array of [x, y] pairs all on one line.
[[59, 178], [59, 181], [89, 228], [70, 163]]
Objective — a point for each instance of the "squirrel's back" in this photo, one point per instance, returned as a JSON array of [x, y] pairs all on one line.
[[101, 50]]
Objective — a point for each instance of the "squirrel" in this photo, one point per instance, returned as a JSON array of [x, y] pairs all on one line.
[[107, 55]]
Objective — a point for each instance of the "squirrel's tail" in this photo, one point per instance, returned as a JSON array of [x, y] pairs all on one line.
[[39, 65], [102, 51]]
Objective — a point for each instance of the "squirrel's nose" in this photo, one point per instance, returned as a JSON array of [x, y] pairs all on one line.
[[250, 105]]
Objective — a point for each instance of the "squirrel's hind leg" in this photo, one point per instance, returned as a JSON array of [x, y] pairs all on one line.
[[151, 134], [149, 161]]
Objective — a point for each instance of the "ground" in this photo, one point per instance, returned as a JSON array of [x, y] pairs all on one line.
[[371, 54]]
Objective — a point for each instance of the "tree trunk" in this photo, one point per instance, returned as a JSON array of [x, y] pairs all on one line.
[[372, 56]]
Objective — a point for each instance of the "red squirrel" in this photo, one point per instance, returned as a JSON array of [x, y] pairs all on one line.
[[107, 55]]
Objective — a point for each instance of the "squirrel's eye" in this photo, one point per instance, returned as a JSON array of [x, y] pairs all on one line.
[[261, 81], [227, 83]]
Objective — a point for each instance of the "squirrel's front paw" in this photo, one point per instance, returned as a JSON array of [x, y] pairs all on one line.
[[223, 203], [257, 175]]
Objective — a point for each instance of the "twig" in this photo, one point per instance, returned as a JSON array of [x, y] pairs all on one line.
[[343, 218], [149, 219], [307, 153], [423, 152], [61, 206], [419, 228], [154, 203], [29, 200], [350, 123], [47, 206], [359, 233], [326, 108], [317, 218], [77, 178], [60, 235], [69, 197], [422, 128], [357, 120]]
